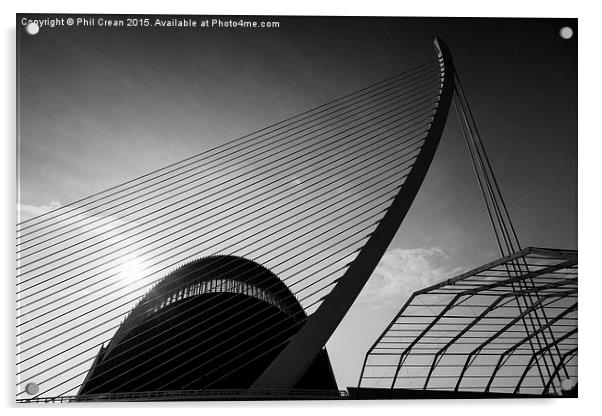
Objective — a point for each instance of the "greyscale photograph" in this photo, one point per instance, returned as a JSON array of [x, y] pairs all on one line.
[[232, 208]]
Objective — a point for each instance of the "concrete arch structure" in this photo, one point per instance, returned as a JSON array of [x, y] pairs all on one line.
[[288, 368]]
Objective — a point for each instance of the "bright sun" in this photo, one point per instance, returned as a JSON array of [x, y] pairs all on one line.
[[132, 269]]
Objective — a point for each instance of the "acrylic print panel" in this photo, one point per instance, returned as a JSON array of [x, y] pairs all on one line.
[[281, 207]]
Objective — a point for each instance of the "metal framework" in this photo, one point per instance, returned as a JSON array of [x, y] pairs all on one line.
[[472, 333]]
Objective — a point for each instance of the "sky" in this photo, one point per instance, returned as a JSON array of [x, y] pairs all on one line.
[[99, 106]]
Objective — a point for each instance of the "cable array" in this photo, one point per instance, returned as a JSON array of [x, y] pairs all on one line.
[[299, 197], [506, 237]]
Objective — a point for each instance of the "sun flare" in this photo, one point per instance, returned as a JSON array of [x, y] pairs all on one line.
[[132, 269]]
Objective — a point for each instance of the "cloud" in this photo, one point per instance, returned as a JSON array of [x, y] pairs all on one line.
[[27, 211], [403, 271], [99, 224]]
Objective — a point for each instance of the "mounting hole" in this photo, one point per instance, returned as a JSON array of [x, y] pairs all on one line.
[[32, 389], [566, 32], [566, 384], [32, 28]]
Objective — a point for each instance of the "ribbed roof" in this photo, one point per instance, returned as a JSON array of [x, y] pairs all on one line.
[[226, 267]]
